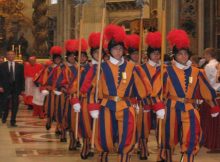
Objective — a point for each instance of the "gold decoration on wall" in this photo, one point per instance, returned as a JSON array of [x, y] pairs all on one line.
[[15, 20], [40, 30]]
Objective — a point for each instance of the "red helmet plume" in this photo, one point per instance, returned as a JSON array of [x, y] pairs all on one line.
[[117, 33], [70, 45], [178, 38], [84, 45], [56, 50], [132, 41], [153, 39], [94, 40]]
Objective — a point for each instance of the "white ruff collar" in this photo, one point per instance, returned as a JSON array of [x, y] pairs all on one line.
[[154, 64], [94, 62], [115, 61], [181, 66]]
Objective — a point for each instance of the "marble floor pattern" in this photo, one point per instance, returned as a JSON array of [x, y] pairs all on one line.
[[31, 142]]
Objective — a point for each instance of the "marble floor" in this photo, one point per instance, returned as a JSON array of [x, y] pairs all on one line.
[[30, 142]]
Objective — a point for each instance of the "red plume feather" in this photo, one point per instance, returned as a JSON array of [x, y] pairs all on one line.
[[132, 41], [94, 40], [56, 50], [178, 38], [115, 32], [84, 45], [70, 44], [105, 44], [153, 39]]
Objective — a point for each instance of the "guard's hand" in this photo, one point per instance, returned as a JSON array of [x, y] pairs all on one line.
[[58, 93], [214, 115], [94, 114], [45, 92], [77, 107], [137, 108], [160, 114]]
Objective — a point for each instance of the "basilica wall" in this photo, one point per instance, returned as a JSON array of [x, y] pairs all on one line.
[[28, 10], [200, 18], [179, 14]]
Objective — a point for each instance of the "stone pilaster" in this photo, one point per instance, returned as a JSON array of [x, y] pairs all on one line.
[[201, 28]]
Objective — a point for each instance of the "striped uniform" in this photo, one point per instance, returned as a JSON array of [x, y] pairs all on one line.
[[182, 121], [84, 117], [48, 79], [88, 89], [145, 113], [116, 123], [68, 120], [85, 121]]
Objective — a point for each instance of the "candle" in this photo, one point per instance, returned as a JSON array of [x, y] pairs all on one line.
[[13, 47], [19, 49]]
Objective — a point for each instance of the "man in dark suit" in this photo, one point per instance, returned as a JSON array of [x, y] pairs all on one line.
[[11, 86]]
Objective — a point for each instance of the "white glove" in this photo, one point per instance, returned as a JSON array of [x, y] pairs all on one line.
[[94, 114], [45, 92], [57, 92], [199, 102], [77, 107], [160, 113], [137, 108], [215, 114]]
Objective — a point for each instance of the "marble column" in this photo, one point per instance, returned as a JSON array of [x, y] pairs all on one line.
[[67, 19], [172, 11], [172, 15], [63, 21], [60, 22], [91, 20], [201, 27]]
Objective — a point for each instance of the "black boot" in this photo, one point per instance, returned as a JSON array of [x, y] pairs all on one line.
[[85, 149], [72, 145], [30, 107], [48, 126], [144, 150], [58, 132], [63, 140], [78, 144]]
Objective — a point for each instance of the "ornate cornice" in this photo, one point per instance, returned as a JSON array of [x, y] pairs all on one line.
[[124, 5]]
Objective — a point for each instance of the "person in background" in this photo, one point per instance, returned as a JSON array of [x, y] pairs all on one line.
[[2, 59], [88, 93], [195, 60], [218, 73], [47, 80], [211, 67], [38, 96], [105, 57], [210, 126], [31, 68], [84, 59], [11, 86]]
